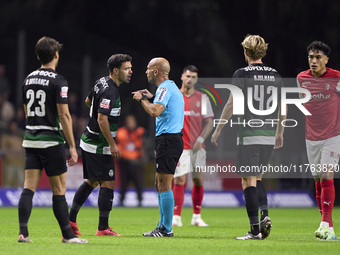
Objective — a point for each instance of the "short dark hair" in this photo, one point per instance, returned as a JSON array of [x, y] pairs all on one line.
[[45, 49], [191, 68], [115, 61], [319, 46]]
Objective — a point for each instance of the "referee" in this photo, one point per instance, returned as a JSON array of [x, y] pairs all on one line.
[[168, 108]]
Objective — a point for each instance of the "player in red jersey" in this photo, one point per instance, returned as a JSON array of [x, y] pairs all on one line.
[[322, 130], [193, 158]]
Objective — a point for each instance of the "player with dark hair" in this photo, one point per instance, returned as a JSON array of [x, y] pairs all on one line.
[[194, 154], [255, 142], [322, 130], [45, 102], [97, 143], [168, 108]]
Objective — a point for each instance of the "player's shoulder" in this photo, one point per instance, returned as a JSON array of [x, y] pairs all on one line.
[[332, 73], [197, 93], [305, 74], [46, 73], [240, 72], [105, 85], [170, 84]]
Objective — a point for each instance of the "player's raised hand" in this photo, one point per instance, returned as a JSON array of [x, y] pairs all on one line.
[[137, 95], [146, 93]]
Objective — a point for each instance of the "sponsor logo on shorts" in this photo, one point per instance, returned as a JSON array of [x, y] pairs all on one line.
[[111, 173]]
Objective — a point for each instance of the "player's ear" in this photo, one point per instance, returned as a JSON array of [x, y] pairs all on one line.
[[182, 76], [115, 71], [56, 55], [327, 58]]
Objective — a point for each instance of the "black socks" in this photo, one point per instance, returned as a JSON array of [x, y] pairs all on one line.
[[252, 206], [105, 200], [79, 199], [24, 210]]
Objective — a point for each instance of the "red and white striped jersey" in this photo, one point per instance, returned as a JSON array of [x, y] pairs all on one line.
[[194, 115]]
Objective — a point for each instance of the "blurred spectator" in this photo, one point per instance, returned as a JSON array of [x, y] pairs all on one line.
[[20, 117], [7, 111], [73, 103], [130, 142], [13, 155], [4, 83]]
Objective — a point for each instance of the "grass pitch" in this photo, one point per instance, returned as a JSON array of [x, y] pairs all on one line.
[[292, 233]]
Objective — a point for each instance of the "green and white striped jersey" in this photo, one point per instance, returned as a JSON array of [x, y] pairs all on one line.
[[260, 80], [105, 99], [42, 90]]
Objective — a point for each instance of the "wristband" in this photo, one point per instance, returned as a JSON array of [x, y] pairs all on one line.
[[200, 139]]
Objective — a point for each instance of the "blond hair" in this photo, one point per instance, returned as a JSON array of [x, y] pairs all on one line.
[[255, 46]]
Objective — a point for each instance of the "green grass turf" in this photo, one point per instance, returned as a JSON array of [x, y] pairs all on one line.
[[292, 233]]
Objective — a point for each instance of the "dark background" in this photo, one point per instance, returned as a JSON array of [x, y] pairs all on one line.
[[204, 33]]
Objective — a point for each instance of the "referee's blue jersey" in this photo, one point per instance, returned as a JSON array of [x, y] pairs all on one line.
[[172, 118]]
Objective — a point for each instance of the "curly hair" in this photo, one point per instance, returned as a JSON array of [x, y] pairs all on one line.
[[319, 46]]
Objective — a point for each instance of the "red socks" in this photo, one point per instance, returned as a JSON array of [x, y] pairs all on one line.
[[318, 195], [178, 191], [197, 198], [327, 200]]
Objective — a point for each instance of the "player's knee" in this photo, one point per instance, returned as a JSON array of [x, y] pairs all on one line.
[[179, 180], [198, 182], [93, 184]]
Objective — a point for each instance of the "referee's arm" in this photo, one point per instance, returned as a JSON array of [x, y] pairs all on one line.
[[153, 109]]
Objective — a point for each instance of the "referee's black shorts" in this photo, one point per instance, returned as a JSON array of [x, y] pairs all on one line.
[[251, 158], [169, 148]]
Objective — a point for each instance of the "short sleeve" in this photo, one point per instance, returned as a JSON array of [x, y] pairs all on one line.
[[162, 96], [106, 102], [238, 79], [209, 112], [61, 91]]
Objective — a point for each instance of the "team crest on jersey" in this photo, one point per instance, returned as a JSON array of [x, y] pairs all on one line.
[[63, 92], [198, 104], [327, 85], [111, 173], [105, 103]]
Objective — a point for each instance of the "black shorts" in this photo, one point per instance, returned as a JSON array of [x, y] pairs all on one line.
[[169, 148], [52, 159], [98, 167], [251, 158]]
